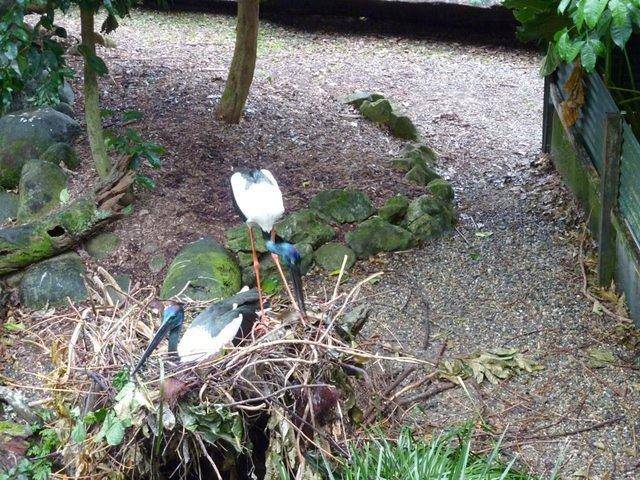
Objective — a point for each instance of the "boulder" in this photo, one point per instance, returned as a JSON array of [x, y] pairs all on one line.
[[238, 239], [377, 111], [157, 262], [441, 189], [61, 153], [51, 281], [8, 206], [331, 255], [305, 226], [124, 283], [27, 135], [40, 186], [401, 126], [357, 98], [202, 270], [394, 209], [102, 245], [343, 206], [421, 175], [412, 155], [269, 276], [377, 235], [429, 216], [307, 257], [65, 108]]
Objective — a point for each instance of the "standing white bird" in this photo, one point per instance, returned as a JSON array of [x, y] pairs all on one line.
[[259, 198]]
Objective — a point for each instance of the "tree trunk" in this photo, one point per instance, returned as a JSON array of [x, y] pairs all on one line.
[[92, 99], [61, 230], [243, 64]]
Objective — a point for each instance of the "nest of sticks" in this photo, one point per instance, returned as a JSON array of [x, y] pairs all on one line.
[[284, 404]]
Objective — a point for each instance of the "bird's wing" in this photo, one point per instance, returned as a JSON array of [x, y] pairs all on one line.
[[211, 313], [258, 198], [203, 341]]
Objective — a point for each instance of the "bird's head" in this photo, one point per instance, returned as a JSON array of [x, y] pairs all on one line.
[[286, 251], [173, 314]]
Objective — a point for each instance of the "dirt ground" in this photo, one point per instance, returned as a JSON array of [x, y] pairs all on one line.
[[509, 276]]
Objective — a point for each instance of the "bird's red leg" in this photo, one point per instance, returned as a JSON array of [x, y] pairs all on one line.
[[256, 269], [276, 260]]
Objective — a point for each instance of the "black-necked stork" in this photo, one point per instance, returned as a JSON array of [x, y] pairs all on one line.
[[228, 321], [259, 198]]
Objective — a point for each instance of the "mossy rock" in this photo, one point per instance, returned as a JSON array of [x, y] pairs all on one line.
[[238, 239], [377, 235], [425, 227], [421, 175], [414, 155], [124, 282], [331, 255], [305, 226], [377, 111], [61, 153], [401, 126], [441, 189], [8, 206], [269, 277], [102, 245], [51, 281], [394, 209], [425, 204], [64, 107], [207, 268], [27, 135], [357, 98], [40, 186], [343, 206]]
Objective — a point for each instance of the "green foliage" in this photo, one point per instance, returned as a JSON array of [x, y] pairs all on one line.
[[131, 144], [30, 56], [448, 456], [213, 423], [583, 29], [40, 461]]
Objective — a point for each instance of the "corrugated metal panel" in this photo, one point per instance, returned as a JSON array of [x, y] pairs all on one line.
[[629, 190], [598, 102]]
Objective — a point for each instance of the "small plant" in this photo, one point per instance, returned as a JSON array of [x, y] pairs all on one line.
[[407, 458], [40, 461], [131, 144]]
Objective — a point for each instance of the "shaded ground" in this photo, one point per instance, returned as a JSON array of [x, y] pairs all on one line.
[[479, 106]]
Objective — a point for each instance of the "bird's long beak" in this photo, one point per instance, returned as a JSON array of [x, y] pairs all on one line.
[[157, 338], [298, 291]]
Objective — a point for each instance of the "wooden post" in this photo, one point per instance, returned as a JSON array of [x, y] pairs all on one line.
[[609, 182], [547, 116]]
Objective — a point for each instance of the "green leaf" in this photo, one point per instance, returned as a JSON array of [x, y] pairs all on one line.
[[112, 430], [563, 5], [64, 196], [568, 50], [620, 34], [588, 57], [120, 379], [551, 61], [79, 432], [95, 63], [13, 327], [145, 182], [131, 116], [592, 10], [96, 416]]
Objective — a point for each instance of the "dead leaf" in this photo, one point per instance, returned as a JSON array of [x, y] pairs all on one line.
[[599, 358]]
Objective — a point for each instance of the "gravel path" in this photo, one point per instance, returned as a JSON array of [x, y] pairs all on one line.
[[479, 106]]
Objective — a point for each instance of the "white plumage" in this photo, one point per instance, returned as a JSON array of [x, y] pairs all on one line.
[[258, 197], [198, 344]]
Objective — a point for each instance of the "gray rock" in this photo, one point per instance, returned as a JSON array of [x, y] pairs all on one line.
[[27, 135], [61, 153], [269, 277], [425, 204], [414, 155], [157, 262], [124, 282], [8, 206], [306, 252], [40, 186], [238, 239], [50, 282], [356, 98], [331, 255], [206, 269], [401, 126], [377, 111], [305, 226], [65, 108], [429, 216], [65, 92], [377, 235], [102, 245], [394, 209], [343, 206], [441, 189]]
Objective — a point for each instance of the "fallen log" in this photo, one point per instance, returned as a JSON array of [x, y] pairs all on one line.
[[64, 228]]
